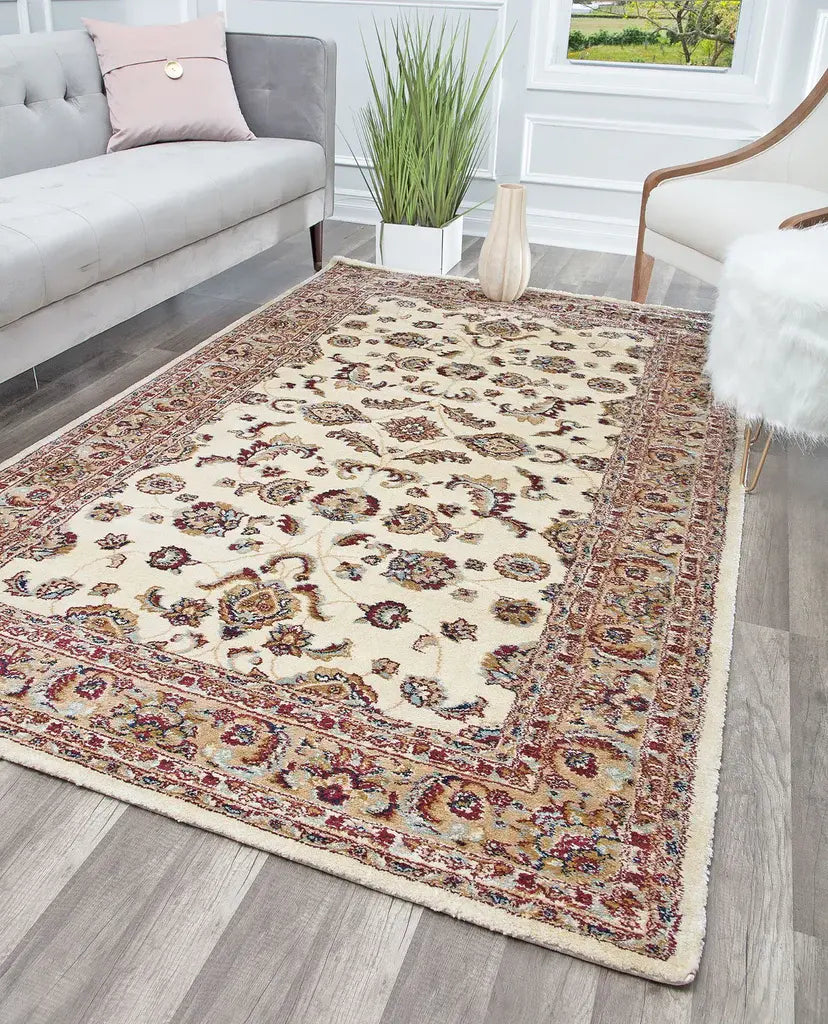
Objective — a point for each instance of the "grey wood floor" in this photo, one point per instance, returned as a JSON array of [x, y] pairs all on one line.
[[112, 915]]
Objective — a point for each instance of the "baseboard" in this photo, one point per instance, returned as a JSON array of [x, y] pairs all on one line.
[[546, 227]]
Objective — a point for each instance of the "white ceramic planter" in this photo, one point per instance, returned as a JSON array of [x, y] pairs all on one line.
[[420, 250]]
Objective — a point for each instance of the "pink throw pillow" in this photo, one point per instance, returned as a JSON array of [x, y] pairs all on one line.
[[168, 83]]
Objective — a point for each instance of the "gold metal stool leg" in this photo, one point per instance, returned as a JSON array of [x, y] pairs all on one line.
[[751, 438]]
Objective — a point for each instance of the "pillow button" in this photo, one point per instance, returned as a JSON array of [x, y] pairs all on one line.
[[173, 69]]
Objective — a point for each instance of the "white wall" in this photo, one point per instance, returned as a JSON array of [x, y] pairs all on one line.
[[581, 137]]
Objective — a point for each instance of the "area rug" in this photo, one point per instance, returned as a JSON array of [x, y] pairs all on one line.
[[429, 592]]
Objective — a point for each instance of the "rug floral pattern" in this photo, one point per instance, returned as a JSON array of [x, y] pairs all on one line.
[[400, 574]]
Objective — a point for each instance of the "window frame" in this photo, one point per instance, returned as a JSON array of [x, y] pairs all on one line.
[[749, 79], [561, 47]]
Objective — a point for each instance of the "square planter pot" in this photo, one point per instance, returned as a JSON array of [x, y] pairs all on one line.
[[420, 250]]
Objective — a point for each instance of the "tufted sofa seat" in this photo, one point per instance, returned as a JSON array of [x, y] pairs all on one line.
[[65, 228], [88, 239]]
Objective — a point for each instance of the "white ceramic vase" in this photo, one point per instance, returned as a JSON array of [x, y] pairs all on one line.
[[505, 261]]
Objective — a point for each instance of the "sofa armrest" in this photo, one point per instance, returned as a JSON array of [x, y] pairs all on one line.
[[286, 87]]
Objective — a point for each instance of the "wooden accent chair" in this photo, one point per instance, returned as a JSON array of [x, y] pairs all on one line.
[[692, 213]]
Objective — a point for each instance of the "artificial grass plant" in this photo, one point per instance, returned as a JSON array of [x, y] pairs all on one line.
[[424, 130]]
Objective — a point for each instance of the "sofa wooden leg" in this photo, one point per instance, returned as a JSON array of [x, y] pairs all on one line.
[[316, 244], [642, 275]]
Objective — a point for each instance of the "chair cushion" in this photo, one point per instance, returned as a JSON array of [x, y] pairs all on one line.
[[709, 214], [63, 229]]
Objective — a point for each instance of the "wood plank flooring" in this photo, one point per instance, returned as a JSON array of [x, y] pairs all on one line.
[[112, 915]]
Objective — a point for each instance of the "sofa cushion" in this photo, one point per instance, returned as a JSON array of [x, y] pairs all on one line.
[[709, 214], [52, 106], [65, 228]]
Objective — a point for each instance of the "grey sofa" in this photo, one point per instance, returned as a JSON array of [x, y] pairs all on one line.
[[88, 239]]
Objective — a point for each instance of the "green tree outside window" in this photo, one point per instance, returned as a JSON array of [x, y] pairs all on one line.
[[693, 32]]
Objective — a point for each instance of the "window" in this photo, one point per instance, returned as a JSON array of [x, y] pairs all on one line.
[[694, 33]]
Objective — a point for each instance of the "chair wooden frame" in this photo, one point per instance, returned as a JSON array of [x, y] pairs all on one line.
[[644, 262]]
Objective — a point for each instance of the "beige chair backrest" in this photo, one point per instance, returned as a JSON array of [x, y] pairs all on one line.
[[798, 156]]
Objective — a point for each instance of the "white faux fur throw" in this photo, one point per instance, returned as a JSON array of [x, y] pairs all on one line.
[[768, 350]]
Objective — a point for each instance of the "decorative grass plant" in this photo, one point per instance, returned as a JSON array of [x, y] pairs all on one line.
[[424, 130]]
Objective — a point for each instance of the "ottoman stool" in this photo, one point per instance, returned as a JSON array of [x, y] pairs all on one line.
[[768, 348]]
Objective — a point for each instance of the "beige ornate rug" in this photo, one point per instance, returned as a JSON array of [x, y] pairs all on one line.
[[425, 591]]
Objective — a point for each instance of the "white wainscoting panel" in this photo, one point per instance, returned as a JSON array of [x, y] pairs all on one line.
[[596, 153]]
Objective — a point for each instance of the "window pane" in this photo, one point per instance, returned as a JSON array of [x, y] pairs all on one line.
[[684, 32]]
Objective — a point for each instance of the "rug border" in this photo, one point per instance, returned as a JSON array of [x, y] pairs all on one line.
[[681, 967]]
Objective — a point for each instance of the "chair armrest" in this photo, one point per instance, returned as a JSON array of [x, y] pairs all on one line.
[[807, 220], [286, 87], [714, 163]]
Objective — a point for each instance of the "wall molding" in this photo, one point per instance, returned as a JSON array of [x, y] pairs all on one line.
[[23, 22], [581, 181], [648, 83], [347, 160], [615, 124], [546, 227], [463, 5], [595, 124], [819, 51]]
